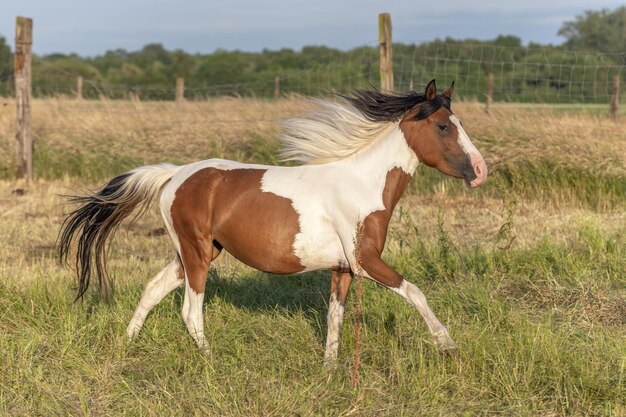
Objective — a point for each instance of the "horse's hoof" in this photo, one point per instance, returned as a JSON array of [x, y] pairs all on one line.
[[447, 346], [330, 362], [451, 352]]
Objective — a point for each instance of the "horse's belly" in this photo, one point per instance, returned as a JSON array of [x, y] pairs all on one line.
[[321, 249]]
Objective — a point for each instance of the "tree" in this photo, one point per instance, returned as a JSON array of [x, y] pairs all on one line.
[[222, 67], [6, 67], [56, 74], [601, 31], [508, 41]]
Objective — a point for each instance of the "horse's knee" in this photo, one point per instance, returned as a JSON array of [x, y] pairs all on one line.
[[378, 270]]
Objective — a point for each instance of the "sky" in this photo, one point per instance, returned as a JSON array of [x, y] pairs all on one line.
[[91, 27]]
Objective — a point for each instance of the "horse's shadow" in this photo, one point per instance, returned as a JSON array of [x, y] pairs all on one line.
[[304, 294]]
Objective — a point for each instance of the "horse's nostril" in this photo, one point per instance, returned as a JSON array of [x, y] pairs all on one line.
[[477, 169]]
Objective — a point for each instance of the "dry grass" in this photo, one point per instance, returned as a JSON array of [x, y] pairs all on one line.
[[142, 133], [150, 132], [577, 140]]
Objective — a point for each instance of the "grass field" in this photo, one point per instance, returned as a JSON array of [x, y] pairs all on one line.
[[528, 273]]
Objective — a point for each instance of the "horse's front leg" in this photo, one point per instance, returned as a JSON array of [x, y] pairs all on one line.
[[374, 266], [339, 285]]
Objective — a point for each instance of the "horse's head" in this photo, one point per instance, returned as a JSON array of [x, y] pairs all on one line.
[[438, 139]]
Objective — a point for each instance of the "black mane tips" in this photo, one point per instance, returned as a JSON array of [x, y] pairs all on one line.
[[382, 106], [379, 106]]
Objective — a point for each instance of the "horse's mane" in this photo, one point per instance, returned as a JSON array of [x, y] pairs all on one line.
[[340, 129]]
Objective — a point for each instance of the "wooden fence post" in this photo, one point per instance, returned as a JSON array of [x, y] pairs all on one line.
[[180, 89], [615, 98], [489, 92], [276, 87], [384, 45], [79, 87], [23, 92]]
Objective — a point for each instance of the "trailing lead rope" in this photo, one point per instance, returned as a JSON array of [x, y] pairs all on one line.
[[359, 278]]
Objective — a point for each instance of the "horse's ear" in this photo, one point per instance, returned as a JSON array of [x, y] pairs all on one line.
[[431, 90], [449, 91]]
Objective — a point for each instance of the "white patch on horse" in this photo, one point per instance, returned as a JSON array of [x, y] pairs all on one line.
[[463, 139], [476, 159], [331, 199]]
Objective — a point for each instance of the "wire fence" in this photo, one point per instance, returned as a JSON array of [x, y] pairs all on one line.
[[520, 74]]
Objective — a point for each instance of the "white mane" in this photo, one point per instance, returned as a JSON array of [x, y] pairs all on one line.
[[335, 131]]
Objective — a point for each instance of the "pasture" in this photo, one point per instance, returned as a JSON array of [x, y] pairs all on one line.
[[527, 272]]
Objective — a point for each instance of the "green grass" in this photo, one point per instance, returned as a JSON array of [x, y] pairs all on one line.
[[541, 331], [601, 110], [90, 164], [541, 180]]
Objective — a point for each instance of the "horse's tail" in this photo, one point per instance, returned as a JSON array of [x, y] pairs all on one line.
[[99, 215]]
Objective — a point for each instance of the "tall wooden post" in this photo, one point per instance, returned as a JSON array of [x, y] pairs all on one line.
[[384, 45], [615, 98], [23, 92], [79, 87], [180, 89], [276, 87], [489, 92]]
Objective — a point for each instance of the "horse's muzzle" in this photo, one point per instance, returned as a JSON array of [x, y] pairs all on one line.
[[480, 170]]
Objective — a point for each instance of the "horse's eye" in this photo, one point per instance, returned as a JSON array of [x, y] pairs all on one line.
[[443, 127]]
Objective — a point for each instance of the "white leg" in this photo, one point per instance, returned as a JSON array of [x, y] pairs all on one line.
[[185, 311], [415, 297], [161, 285], [193, 317], [334, 320]]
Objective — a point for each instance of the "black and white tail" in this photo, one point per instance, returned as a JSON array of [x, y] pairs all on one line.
[[101, 213]]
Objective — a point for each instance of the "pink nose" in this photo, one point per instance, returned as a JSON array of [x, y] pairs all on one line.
[[480, 169]]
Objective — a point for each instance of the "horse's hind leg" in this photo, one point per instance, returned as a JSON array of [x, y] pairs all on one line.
[[191, 219], [339, 285], [196, 257], [163, 283]]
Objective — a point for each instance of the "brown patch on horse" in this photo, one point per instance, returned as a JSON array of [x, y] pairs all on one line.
[[374, 230], [216, 208], [340, 284]]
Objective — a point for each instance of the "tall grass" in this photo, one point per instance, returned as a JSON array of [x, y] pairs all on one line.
[[527, 272]]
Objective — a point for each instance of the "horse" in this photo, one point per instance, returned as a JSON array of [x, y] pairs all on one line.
[[354, 159]]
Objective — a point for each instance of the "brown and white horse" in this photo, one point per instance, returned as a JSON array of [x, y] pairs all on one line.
[[357, 158]]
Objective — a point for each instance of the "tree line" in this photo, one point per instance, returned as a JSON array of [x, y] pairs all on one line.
[[579, 70]]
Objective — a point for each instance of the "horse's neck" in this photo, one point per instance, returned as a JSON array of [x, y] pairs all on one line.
[[389, 151], [388, 164]]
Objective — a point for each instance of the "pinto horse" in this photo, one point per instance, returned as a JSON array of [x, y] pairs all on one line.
[[331, 212]]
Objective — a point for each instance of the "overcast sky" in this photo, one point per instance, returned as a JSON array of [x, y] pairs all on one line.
[[91, 27]]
